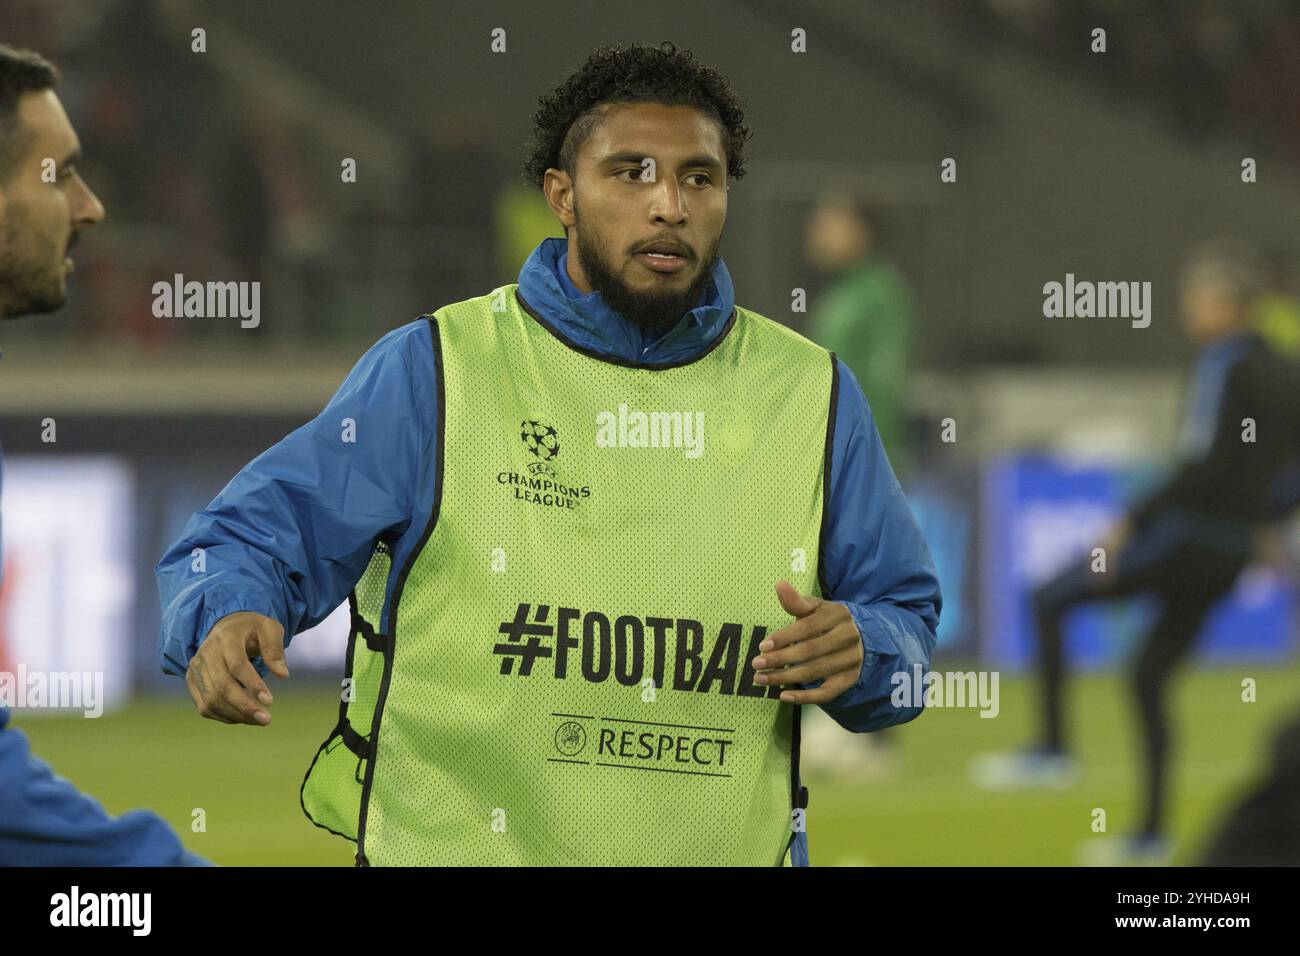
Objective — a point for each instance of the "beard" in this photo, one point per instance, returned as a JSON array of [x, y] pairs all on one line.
[[655, 311], [31, 269]]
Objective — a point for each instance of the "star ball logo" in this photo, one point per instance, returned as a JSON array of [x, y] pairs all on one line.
[[540, 486], [540, 439]]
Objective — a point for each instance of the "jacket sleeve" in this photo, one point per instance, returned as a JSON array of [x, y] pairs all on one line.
[[877, 565], [46, 821], [291, 534]]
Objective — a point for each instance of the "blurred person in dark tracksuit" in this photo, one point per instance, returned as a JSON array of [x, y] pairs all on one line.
[[1186, 543], [44, 820]]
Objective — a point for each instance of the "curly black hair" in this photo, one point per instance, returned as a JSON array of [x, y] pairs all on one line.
[[567, 115]]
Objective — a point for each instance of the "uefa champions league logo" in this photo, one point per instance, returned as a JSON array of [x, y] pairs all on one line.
[[541, 485], [540, 439]]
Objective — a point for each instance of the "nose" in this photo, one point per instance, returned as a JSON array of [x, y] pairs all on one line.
[[87, 210], [668, 205]]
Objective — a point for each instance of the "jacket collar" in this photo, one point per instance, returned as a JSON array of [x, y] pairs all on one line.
[[589, 322]]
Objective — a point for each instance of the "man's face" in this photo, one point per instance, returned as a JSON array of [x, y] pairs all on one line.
[[835, 236], [1208, 309], [614, 210], [40, 220]]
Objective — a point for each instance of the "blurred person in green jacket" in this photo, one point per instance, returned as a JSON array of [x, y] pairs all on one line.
[[865, 312], [864, 315]]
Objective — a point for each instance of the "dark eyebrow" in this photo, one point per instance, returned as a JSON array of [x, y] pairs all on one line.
[[632, 156]]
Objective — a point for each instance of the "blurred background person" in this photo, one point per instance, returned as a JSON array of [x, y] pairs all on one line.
[[1187, 542], [864, 314], [1276, 311]]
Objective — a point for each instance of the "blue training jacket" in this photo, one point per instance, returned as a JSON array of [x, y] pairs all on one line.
[[291, 534], [46, 821]]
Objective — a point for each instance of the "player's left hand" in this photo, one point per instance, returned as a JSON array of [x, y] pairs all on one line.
[[823, 642]]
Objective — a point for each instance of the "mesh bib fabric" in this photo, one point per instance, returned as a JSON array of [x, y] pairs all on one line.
[[564, 677]]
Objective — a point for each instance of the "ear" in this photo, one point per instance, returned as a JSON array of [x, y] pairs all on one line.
[[557, 187]]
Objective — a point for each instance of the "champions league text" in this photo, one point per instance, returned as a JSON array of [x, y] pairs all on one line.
[[543, 491]]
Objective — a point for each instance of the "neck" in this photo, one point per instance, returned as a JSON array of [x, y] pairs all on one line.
[[573, 267]]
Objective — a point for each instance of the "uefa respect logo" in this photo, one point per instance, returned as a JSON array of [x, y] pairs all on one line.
[[570, 738], [631, 744]]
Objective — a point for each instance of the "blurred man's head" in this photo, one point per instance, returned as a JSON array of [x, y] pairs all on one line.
[[1219, 282], [838, 232], [43, 205], [592, 135]]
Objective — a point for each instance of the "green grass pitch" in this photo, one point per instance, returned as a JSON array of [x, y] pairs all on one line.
[[158, 753]]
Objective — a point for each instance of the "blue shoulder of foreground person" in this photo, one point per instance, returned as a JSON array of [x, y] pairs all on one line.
[[46, 821]]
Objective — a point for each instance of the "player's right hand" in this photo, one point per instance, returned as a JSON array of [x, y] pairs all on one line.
[[221, 678]]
